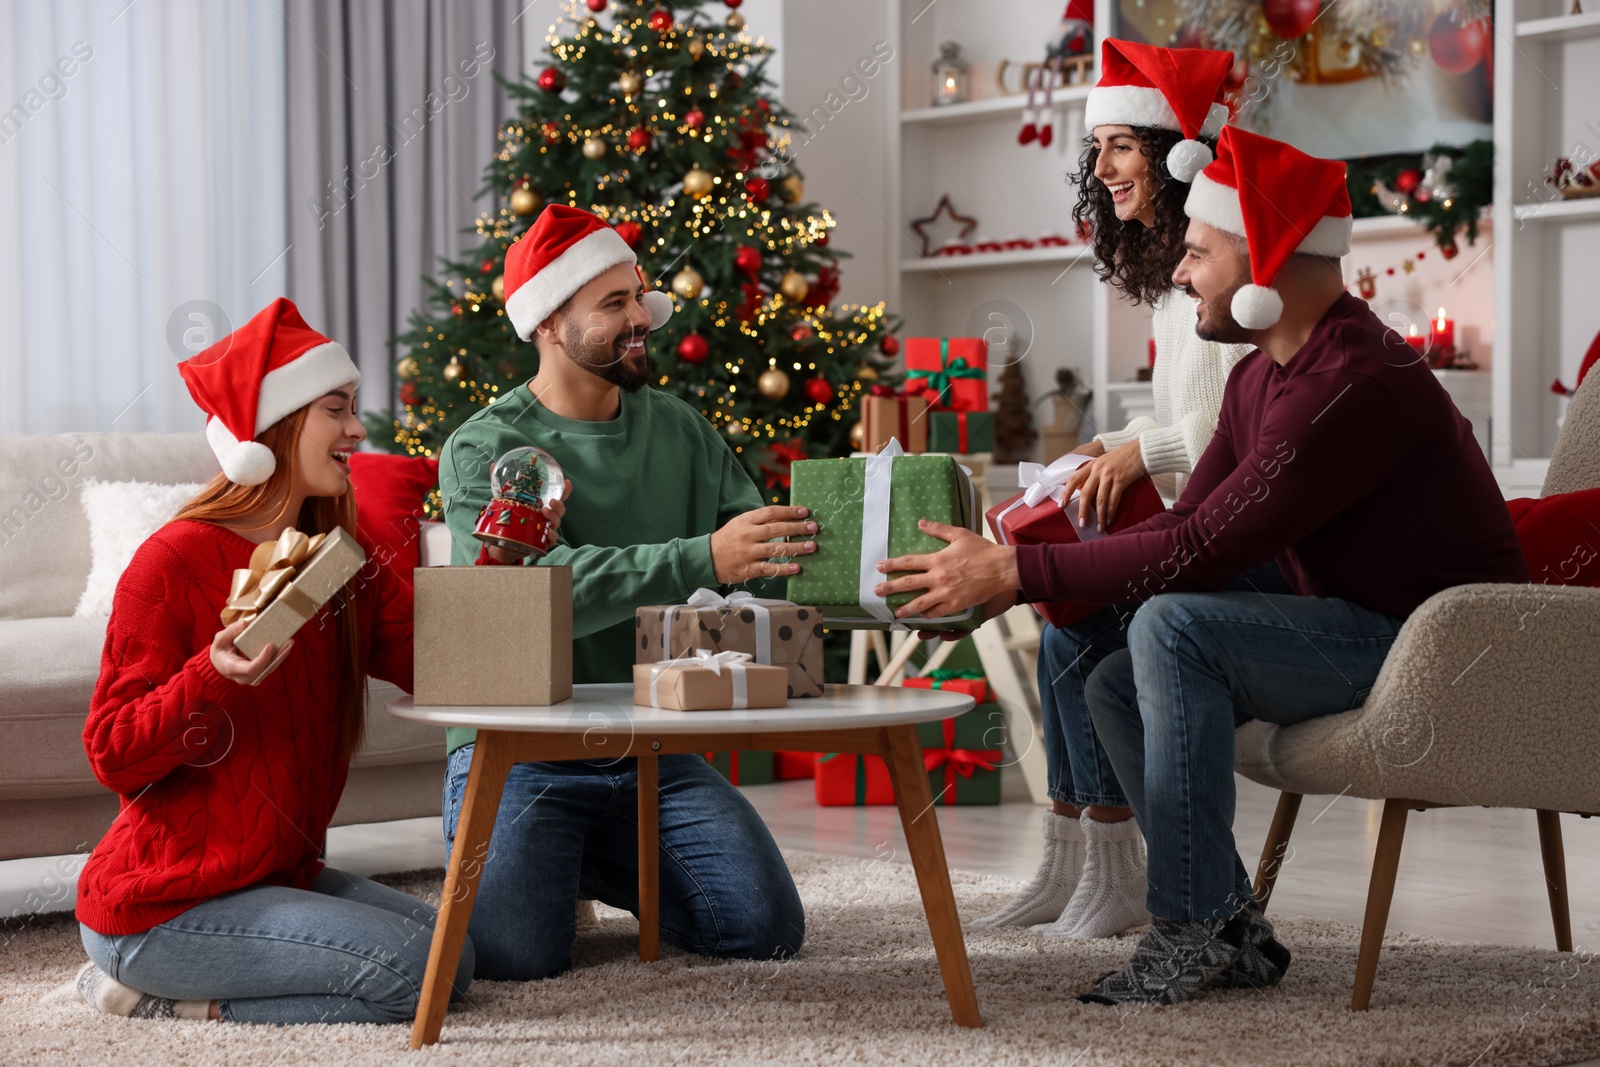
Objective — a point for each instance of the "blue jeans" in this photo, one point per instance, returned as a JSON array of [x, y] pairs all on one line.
[[1196, 666], [570, 829], [347, 950], [1078, 771]]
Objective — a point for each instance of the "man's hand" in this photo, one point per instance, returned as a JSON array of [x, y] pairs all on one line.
[[747, 545], [989, 609], [1100, 484], [552, 514], [973, 570], [232, 664]]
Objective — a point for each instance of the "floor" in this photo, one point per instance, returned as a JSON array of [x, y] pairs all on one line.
[[1465, 874]]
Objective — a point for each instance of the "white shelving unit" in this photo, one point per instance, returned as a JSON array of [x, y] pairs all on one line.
[[1547, 77]]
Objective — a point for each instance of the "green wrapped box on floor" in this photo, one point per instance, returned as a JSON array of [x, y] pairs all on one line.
[[961, 431], [744, 767], [866, 510], [963, 756]]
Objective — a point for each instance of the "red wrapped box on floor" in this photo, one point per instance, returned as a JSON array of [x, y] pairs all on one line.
[[846, 779], [788, 766], [971, 683], [952, 372], [1035, 517]]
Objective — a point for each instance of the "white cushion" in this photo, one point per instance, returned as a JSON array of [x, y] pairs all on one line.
[[435, 548], [122, 515]]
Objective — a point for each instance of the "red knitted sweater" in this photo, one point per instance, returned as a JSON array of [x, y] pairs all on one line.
[[223, 786]]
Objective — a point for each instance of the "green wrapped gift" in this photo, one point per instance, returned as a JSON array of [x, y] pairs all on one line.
[[961, 431], [963, 756], [866, 510], [744, 767]]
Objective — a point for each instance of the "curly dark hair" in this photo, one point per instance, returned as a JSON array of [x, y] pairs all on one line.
[[1137, 259]]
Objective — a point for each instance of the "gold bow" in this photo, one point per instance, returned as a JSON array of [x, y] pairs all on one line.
[[272, 567]]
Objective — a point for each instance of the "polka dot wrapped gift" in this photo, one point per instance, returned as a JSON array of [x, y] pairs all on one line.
[[775, 632]]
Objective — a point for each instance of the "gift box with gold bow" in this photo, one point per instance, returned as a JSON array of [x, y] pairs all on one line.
[[288, 581]]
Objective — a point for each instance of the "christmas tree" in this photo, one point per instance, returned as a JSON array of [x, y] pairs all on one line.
[[658, 121], [1013, 417]]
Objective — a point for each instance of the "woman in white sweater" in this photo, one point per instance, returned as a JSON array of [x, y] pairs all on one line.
[[1143, 150]]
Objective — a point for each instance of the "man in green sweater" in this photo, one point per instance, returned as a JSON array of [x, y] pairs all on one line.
[[660, 507]]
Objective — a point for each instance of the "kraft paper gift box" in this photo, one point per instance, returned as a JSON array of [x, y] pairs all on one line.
[[961, 431], [776, 632], [746, 766], [963, 754], [952, 372], [1035, 517], [866, 510], [707, 681], [493, 635], [887, 415], [288, 581]]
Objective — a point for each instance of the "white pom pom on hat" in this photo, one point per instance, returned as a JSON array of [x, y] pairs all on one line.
[[1187, 159], [659, 305], [1255, 307]]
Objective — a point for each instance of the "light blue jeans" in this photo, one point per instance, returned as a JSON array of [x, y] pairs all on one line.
[[570, 829], [1078, 771], [1197, 665], [347, 950]]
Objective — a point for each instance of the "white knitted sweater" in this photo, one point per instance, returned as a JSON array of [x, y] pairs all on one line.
[[1187, 383]]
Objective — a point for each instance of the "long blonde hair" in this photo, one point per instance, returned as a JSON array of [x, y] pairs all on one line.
[[223, 501]]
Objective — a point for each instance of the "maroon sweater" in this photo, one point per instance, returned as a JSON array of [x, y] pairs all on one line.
[[1350, 466]]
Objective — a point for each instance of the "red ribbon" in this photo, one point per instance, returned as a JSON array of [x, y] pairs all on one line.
[[962, 761], [961, 432], [733, 765]]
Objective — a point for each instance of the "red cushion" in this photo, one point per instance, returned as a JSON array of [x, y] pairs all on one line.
[[390, 491], [1560, 537]]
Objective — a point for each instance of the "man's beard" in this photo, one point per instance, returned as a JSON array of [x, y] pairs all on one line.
[[1219, 325], [607, 361]]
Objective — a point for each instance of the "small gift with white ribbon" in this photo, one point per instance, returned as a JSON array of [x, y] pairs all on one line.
[[710, 681], [774, 632]]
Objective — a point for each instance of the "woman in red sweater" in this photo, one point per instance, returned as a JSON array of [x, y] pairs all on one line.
[[208, 898]]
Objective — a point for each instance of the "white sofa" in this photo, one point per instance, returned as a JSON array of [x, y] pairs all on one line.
[[50, 803]]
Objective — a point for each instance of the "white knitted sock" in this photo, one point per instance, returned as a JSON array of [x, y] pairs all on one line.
[[1043, 898], [104, 993], [1110, 895]]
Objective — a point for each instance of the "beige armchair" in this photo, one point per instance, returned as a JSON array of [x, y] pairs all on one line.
[[1489, 698]]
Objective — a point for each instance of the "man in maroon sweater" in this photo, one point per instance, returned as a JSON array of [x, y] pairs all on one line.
[[1339, 455]]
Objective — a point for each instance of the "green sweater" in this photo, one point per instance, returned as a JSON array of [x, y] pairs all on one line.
[[648, 489]]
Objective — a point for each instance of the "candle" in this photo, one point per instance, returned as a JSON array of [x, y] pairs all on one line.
[[1415, 338], [1442, 333]]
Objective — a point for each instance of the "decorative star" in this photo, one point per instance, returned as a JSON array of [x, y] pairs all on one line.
[[945, 207]]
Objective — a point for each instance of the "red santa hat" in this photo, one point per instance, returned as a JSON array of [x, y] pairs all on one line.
[[564, 250], [1281, 201], [1178, 89], [267, 369]]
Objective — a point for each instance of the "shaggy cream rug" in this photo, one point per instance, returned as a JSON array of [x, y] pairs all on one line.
[[866, 990]]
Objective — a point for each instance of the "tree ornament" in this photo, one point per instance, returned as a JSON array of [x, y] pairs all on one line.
[[748, 259], [818, 390], [408, 367], [694, 118], [1290, 19], [456, 309], [593, 148], [453, 370], [693, 348], [733, 3], [498, 287], [486, 266], [1449, 249], [698, 183], [552, 133], [1406, 181], [802, 333], [630, 83], [867, 372], [696, 48], [661, 20], [736, 22], [688, 283], [596, 6], [630, 232], [757, 189], [890, 345], [793, 286], [408, 394], [791, 189], [1368, 283], [858, 436], [734, 80], [773, 384], [639, 138], [524, 201], [1456, 48], [551, 80]]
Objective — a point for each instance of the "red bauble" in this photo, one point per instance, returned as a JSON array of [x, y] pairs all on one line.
[[693, 348], [801, 333], [1457, 48], [822, 241], [733, 3], [630, 233], [639, 137], [1449, 250], [890, 345], [734, 80], [597, 6], [486, 266], [1290, 18], [758, 189], [408, 394], [552, 80], [552, 133], [748, 259], [660, 20], [457, 310], [694, 118], [1406, 181], [818, 391]]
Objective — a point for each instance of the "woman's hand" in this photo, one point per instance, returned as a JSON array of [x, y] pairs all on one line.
[[232, 664], [1092, 448], [1101, 483]]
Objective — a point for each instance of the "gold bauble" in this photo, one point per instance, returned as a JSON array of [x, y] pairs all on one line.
[[867, 373], [453, 371], [858, 436], [697, 48], [524, 201], [773, 384], [593, 148], [630, 83], [736, 22], [697, 183], [791, 189], [688, 283], [498, 287], [793, 286], [407, 368]]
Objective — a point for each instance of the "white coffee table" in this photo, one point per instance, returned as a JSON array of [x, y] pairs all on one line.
[[602, 722]]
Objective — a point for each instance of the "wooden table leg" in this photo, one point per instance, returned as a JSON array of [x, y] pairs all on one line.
[[486, 781], [903, 754], [649, 858]]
